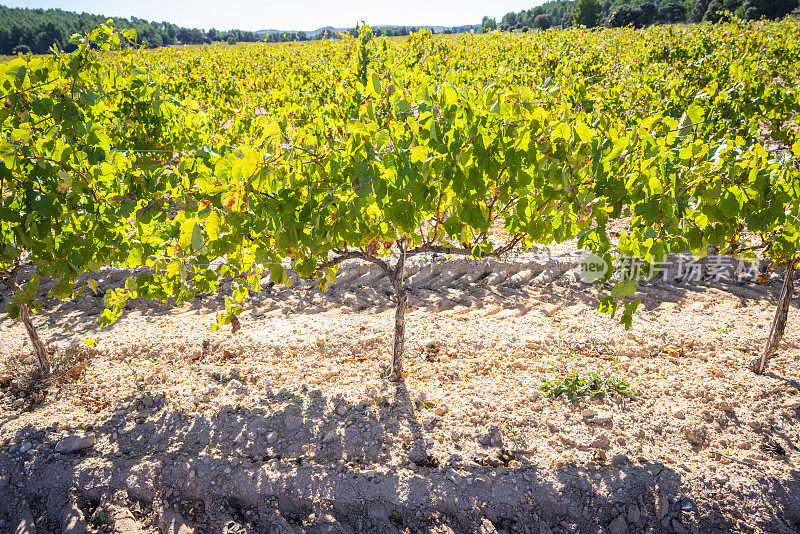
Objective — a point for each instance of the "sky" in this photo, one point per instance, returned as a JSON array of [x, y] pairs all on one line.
[[293, 14]]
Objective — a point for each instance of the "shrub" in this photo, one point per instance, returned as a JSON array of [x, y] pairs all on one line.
[[587, 13], [672, 13], [699, 10], [650, 13], [627, 15], [768, 9], [715, 13], [544, 21]]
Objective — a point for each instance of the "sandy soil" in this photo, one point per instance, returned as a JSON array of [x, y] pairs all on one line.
[[286, 426]]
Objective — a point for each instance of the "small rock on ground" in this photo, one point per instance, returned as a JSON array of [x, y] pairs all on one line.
[[75, 443], [618, 525]]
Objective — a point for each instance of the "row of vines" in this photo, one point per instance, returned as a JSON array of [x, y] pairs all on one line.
[[215, 162]]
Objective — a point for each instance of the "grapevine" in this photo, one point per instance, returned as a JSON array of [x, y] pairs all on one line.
[[225, 162]]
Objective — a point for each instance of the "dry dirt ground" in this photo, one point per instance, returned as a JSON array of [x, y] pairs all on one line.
[[286, 426]]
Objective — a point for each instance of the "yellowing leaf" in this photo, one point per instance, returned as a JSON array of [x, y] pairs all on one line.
[[374, 85], [419, 154], [211, 225], [583, 131], [198, 241], [187, 231]]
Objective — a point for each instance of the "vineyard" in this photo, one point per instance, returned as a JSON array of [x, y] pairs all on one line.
[[504, 282]]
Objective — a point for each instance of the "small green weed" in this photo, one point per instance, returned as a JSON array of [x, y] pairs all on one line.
[[729, 325], [577, 382]]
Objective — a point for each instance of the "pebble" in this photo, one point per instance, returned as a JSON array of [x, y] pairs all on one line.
[[328, 523], [661, 504], [497, 439], [75, 443], [235, 384], [678, 528], [695, 436], [272, 437], [678, 414], [486, 527], [453, 476], [293, 422], [688, 505], [634, 514], [482, 482], [589, 413], [432, 344], [618, 525], [25, 447], [602, 441]]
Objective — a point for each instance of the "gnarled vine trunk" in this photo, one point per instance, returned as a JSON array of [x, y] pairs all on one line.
[[399, 342], [396, 276], [759, 365], [39, 352]]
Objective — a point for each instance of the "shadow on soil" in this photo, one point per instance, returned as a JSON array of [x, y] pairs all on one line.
[[80, 316], [323, 464]]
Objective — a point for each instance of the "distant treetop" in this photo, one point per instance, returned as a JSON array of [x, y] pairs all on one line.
[[637, 13]]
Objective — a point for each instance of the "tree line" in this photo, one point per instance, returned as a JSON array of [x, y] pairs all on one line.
[[37, 30], [25, 30], [636, 13]]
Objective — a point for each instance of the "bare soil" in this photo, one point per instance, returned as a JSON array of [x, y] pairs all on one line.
[[286, 426]]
